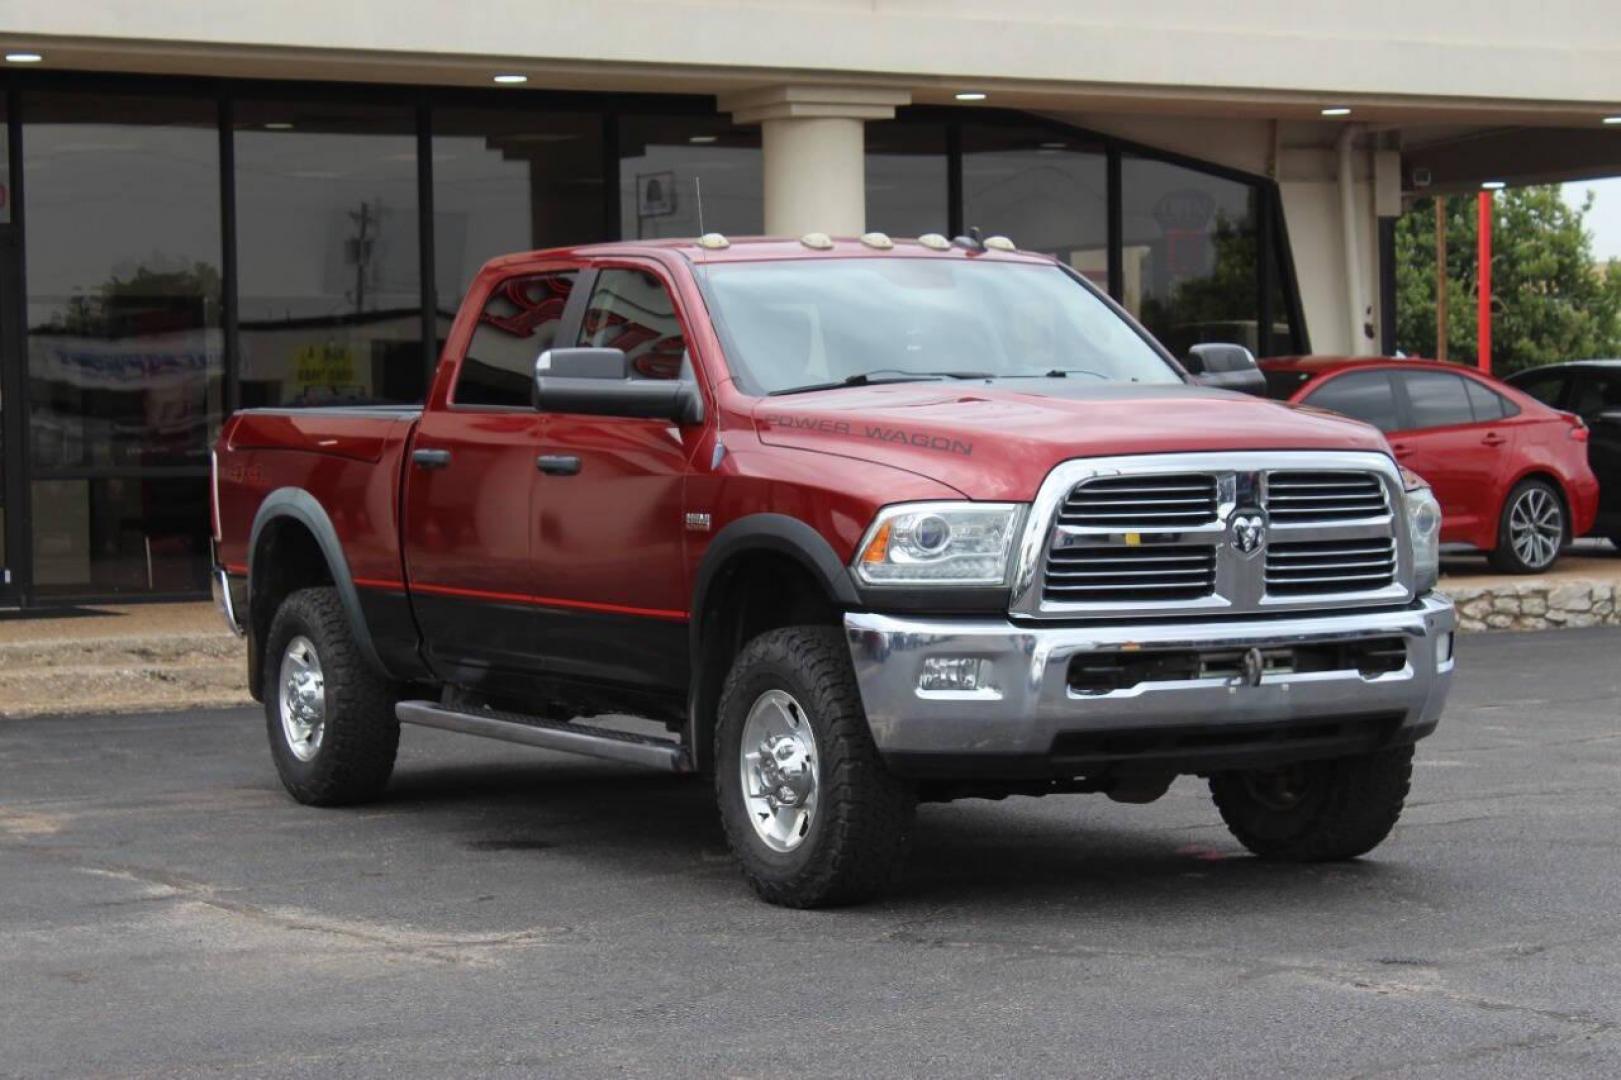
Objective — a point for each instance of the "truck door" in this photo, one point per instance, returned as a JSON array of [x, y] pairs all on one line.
[[469, 481], [609, 514]]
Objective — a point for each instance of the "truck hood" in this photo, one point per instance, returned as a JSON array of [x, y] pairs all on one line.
[[997, 439]]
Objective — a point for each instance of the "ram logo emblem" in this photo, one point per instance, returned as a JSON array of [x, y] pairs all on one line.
[[1247, 529]]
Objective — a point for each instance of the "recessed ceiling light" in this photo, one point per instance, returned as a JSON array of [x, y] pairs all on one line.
[[278, 125], [511, 80], [1611, 120], [1493, 185], [1055, 146], [702, 139], [1337, 110], [23, 57], [971, 95]]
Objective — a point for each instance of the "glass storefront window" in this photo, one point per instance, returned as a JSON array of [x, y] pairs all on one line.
[[908, 185], [124, 340], [507, 180], [1191, 267], [666, 161], [329, 292], [1045, 189]]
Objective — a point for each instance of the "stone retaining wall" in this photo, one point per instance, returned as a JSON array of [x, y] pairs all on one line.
[[1534, 604]]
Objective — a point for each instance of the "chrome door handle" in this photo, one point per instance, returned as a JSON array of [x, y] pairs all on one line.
[[430, 459], [558, 464]]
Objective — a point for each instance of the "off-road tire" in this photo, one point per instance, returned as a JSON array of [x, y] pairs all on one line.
[[361, 736], [1349, 806], [860, 831], [1503, 558]]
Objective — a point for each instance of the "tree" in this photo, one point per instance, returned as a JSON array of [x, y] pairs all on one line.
[[1550, 302]]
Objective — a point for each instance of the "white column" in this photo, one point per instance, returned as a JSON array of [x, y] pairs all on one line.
[[813, 142]]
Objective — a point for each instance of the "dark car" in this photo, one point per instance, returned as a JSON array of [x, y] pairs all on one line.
[[1592, 390]]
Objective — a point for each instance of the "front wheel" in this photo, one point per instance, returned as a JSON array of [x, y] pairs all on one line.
[[1531, 530], [1316, 811], [809, 809]]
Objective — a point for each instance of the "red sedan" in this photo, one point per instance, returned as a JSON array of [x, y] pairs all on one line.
[[1511, 473]]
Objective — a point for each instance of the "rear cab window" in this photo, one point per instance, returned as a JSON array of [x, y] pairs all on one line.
[[520, 320]]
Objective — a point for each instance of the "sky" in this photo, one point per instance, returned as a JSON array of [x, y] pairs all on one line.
[[1604, 221]]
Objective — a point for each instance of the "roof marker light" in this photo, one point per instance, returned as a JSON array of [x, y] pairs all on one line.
[[877, 240], [1000, 243], [713, 241], [934, 242], [817, 241]]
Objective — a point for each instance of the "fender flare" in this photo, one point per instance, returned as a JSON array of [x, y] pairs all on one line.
[[301, 506], [776, 533]]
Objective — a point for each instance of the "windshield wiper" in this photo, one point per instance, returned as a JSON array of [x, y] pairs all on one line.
[[880, 376]]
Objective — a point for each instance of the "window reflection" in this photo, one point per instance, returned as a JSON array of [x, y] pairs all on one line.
[[330, 293], [664, 163], [1191, 273], [907, 185], [1044, 188], [124, 340]]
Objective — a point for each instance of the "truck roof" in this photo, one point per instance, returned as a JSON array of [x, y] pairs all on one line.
[[774, 248]]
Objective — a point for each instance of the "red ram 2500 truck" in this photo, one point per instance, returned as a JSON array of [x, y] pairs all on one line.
[[844, 525]]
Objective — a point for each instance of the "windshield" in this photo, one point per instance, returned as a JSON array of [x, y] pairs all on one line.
[[814, 323]]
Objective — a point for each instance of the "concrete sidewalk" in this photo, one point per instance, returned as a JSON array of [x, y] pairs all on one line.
[[118, 658]]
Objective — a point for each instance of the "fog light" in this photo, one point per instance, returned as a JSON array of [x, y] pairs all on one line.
[[1443, 649], [962, 673]]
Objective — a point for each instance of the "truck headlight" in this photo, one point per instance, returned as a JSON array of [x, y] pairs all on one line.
[[939, 543], [1424, 530]]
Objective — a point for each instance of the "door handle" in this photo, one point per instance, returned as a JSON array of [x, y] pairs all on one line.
[[558, 464], [1493, 439], [430, 459]]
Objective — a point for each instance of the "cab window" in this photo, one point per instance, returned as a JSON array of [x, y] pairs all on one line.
[[1361, 395], [631, 310], [520, 320]]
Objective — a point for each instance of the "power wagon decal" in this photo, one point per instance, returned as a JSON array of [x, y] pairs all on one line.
[[923, 440]]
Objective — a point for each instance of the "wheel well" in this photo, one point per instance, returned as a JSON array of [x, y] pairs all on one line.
[[285, 559], [1558, 489], [755, 591]]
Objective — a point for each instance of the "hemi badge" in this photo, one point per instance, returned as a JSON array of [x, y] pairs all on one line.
[[1134, 539], [698, 522]]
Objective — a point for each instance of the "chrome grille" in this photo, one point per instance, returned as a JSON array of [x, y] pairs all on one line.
[[1092, 574], [1329, 566], [1149, 502], [1299, 497]]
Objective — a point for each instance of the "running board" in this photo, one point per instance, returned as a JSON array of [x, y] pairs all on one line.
[[665, 754]]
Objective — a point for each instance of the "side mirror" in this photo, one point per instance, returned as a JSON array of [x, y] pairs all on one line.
[[596, 382], [1226, 367]]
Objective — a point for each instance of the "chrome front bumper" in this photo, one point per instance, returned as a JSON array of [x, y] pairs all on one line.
[[1027, 702]]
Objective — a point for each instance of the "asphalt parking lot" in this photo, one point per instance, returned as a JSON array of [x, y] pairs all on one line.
[[165, 909]]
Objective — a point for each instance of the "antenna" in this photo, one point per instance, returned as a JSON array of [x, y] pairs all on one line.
[[698, 187]]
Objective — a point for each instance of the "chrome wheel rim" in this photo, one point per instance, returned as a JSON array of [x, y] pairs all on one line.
[[779, 770], [302, 698], [1536, 527]]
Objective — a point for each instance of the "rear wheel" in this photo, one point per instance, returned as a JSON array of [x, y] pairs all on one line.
[[329, 715], [1316, 811], [1531, 529], [809, 809]]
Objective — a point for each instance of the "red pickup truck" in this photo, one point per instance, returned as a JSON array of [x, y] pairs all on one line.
[[845, 525]]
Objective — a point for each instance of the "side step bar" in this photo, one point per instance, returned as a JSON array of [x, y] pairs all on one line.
[[664, 754]]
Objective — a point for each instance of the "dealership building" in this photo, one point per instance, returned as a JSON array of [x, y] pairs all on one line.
[[208, 207]]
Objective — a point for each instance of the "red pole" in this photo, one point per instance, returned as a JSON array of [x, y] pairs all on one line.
[[1483, 231]]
